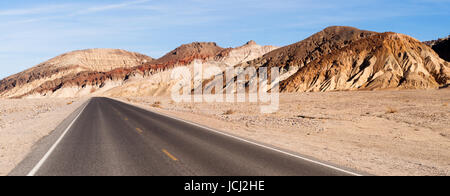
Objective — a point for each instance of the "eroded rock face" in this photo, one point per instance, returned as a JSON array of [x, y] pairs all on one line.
[[161, 83], [188, 52], [97, 71], [291, 58], [248, 52], [100, 60], [337, 58], [67, 68], [314, 47], [382, 61], [441, 47]]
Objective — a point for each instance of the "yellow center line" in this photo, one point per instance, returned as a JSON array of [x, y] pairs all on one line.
[[169, 155], [139, 130], [126, 119]]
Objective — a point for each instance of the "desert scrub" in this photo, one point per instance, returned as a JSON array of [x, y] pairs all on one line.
[[157, 104], [228, 112], [391, 110]]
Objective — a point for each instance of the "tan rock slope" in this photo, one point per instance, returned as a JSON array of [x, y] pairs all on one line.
[[71, 67], [93, 72], [188, 52], [109, 72], [381, 61], [99, 59], [209, 54]]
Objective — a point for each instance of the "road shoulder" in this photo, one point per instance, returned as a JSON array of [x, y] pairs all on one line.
[[41, 147]]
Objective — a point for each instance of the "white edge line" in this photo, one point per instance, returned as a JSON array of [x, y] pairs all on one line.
[[50, 151], [257, 144]]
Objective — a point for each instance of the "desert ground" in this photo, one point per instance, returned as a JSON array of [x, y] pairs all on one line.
[[23, 122], [380, 133]]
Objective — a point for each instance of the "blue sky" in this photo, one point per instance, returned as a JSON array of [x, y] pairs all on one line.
[[33, 31]]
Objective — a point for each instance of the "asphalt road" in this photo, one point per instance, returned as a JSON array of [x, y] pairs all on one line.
[[110, 138]]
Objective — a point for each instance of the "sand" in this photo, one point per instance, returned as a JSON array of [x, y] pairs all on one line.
[[24, 122], [380, 133]]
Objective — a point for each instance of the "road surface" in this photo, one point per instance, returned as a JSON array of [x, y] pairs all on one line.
[[106, 137]]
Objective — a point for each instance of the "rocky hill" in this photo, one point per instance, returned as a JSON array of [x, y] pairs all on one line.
[[292, 57], [160, 83], [99, 71], [73, 66], [314, 47], [188, 52], [381, 61], [334, 59], [441, 47]]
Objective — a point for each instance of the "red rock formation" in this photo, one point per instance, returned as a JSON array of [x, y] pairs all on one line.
[[314, 47], [382, 61], [185, 54]]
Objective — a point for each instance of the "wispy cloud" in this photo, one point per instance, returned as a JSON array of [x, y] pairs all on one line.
[[35, 10], [75, 9], [110, 7]]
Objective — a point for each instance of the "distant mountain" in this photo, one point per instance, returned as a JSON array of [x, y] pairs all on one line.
[[441, 47], [295, 56], [188, 52], [381, 61], [71, 67], [160, 83], [312, 48], [334, 59], [99, 71]]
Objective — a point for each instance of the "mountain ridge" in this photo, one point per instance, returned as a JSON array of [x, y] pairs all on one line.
[[336, 58], [383, 61], [52, 77]]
